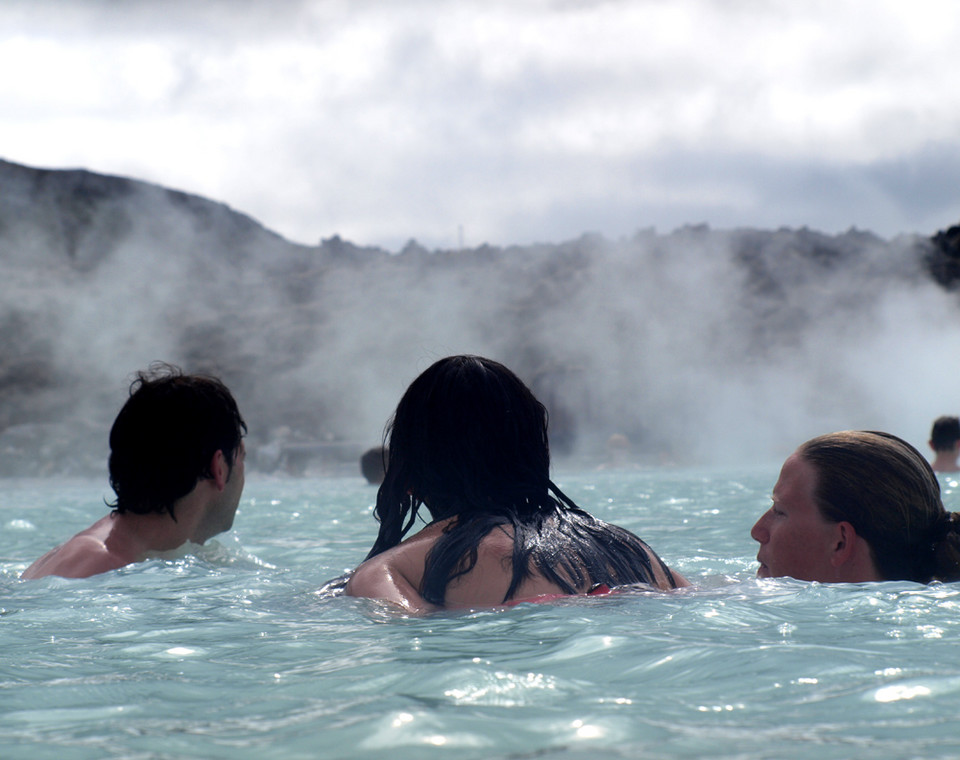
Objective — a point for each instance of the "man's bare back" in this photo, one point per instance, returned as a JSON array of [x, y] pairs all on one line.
[[98, 549], [118, 540]]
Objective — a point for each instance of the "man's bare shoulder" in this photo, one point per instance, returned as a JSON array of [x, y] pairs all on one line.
[[83, 555]]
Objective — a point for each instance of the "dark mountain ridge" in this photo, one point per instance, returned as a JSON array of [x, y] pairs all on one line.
[[650, 336]]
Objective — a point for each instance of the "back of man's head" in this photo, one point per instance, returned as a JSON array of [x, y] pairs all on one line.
[[945, 433], [165, 436]]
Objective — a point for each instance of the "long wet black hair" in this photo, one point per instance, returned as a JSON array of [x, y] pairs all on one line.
[[469, 440]]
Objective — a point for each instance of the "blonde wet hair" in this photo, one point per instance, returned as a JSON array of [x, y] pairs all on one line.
[[887, 490]]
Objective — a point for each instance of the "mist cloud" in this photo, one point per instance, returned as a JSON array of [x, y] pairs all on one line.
[[699, 345]]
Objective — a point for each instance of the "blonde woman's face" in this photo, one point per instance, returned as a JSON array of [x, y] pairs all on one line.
[[795, 539]]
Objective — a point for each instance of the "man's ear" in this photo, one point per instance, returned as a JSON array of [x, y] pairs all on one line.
[[846, 544], [220, 469]]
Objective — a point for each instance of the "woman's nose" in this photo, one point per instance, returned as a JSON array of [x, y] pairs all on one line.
[[759, 530]]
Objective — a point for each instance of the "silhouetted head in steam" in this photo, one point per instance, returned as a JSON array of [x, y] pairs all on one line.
[[164, 438], [469, 441], [945, 442], [373, 464], [858, 506]]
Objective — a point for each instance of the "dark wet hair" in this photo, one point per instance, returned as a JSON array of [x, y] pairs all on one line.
[[164, 438], [469, 439], [887, 490], [945, 433]]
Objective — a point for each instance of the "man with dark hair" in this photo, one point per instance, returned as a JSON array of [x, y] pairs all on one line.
[[177, 468], [945, 442]]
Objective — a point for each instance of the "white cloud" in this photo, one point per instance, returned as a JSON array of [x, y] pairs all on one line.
[[522, 120]]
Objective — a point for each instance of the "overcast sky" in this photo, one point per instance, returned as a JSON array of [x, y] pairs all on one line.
[[512, 121]]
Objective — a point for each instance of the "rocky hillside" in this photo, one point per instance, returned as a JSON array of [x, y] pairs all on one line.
[[688, 343]]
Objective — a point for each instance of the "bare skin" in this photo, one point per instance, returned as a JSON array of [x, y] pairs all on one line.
[[796, 540], [118, 540], [396, 575], [946, 460]]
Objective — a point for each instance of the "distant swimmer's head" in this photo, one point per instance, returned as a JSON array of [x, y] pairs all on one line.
[[945, 434], [468, 434], [857, 506], [373, 464], [618, 442], [166, 435]]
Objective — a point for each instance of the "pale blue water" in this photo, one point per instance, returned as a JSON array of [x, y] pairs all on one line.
[[233, 655]]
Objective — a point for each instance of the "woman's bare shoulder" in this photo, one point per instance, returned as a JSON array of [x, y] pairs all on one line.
[[396, 574]]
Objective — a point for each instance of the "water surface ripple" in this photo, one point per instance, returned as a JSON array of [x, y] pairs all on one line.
[[231, 653]]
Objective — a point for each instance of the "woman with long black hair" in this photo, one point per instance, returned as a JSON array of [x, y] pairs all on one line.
[[468, 441]]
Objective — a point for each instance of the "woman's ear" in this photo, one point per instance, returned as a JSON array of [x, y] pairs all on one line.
[[845, 548]]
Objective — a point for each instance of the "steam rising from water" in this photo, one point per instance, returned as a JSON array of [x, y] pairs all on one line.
[[698, 345]]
